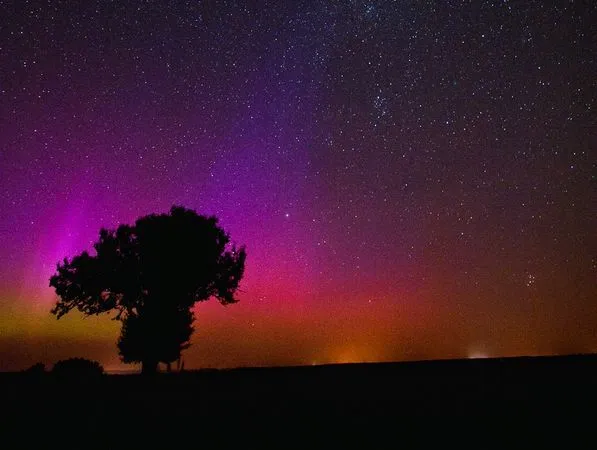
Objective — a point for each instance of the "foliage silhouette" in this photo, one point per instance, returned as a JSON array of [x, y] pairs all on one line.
[[77, 367], [36, 369], [151, 274]]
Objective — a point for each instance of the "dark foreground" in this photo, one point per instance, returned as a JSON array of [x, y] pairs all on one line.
[[522, 392]]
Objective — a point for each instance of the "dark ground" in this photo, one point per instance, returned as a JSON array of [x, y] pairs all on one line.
[[538, 394]]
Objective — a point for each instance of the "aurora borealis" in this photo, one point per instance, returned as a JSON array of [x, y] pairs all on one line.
[[411, 179]]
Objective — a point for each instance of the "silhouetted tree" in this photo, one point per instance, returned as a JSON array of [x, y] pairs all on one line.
[[36, 369], [77, 367], [151, 274]]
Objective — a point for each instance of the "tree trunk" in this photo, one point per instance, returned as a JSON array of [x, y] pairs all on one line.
[[149, 367]]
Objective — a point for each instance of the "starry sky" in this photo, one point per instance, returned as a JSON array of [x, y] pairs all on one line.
[[412, 180]]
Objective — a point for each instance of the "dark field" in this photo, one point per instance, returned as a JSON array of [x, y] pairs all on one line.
[[521, 391]]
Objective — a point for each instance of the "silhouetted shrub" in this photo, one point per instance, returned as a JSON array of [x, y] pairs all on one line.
[[78, 368], [36, 369]]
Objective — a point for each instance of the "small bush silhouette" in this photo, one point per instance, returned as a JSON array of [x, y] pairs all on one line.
[[36, 369], [78, 367]]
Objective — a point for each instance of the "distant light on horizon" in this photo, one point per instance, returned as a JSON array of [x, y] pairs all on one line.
[[478, 354]]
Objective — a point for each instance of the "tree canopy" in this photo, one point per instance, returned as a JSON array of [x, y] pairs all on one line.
[[149, 275]]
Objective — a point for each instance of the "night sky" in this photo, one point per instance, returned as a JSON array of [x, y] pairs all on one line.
[[412, 180]]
